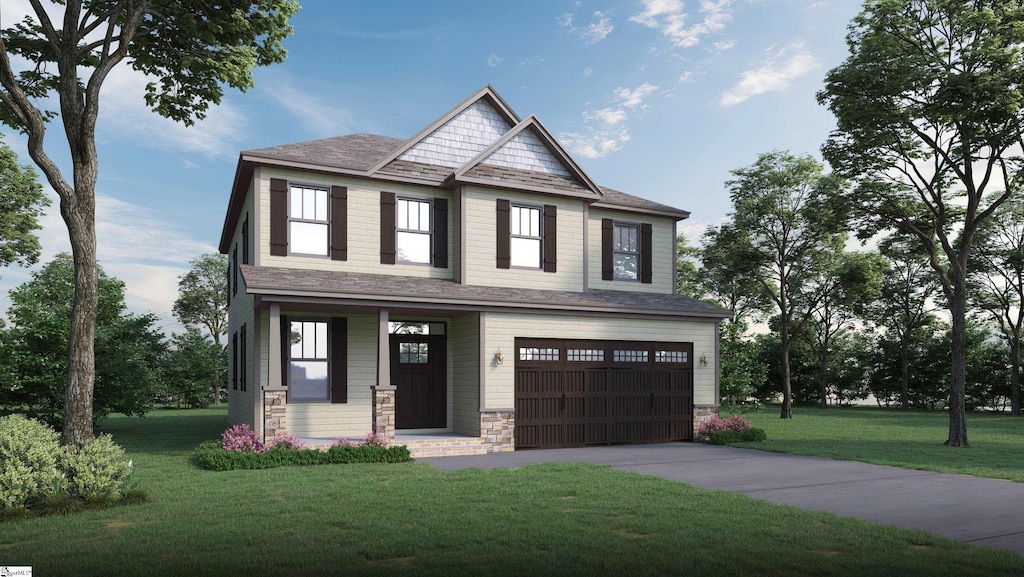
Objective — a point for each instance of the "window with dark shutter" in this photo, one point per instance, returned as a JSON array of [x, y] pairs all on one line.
[[339, 360], [245, 239], [550, 239], [286, 344], [503, 236], [227, 279], [388, 249], [278, 217], [440, 233], [607, 255], [234, 270], [339, 223], [243, 356], [646, 234], [234, 360]]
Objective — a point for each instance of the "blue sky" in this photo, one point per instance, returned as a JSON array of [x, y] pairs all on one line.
[[658, 98]]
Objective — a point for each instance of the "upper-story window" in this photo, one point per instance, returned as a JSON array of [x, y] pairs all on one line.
[[308, 223], [414, 231], [525, 241], [626, 251]]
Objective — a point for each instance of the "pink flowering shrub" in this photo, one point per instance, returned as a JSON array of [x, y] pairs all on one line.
[[288, 441], [715, 424], [343, 442], [375, 440], [241, 439]]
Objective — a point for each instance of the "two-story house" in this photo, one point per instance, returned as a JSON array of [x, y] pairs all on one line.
[[469, 289]]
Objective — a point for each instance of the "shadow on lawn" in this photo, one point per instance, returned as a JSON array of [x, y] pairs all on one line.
[[164, 431]]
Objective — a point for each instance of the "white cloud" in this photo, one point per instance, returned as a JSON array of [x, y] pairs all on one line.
[[494, 60], [685, 77], [318, 116], [587, 72], [669, 18], [775, 74], [634, 98], [723, 46], [592, 33], [604, 130], [124, 112]]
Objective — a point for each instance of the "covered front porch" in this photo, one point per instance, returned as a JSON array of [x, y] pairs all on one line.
[[413, 376]]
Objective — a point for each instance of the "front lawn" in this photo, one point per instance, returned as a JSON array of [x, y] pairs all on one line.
[[890, 437], [412, 519]]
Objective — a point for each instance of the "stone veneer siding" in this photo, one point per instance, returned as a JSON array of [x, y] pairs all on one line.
[[384, 412], [274, 418], [702, 413], [497, 428]]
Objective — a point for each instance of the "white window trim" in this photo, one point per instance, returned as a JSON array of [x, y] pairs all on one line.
[[639, 251], [540, 236], [327, 221], [429, 234], [328, 359]]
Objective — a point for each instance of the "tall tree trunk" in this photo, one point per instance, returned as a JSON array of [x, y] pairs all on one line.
[[78, 393], [823, 367], [905, 372], [787, 393], [1015, 377], [958, 369]]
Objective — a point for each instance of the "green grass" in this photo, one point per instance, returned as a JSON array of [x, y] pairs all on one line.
[[412, 519], [890, 437]]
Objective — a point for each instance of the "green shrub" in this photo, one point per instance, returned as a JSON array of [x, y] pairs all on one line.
[[751, 435], [210, 455], [29, 452], [98, 470]]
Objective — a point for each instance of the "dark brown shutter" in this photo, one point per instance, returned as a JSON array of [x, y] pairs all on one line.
[[234, 360], [607, 244], [243, 356], [245, 239], [234, 270], [339, 223], [441, 233], [227, 277], [339, 362], [550, 236], [286, 346], [646, 232], [387, 228], [504, 235], [278, 217]]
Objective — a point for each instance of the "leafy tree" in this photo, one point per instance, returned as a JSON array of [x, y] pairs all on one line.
[[997, 282], [191, 51], [929, 123], [850, 362], [847, 282], [909, 288], [686, 268], [202, 302], [721, 281], [21, 204], [742, 371], [128, 347], [785, 229], [194, 366]]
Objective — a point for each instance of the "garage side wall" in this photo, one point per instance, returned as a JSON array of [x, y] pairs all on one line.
[[499, 331]]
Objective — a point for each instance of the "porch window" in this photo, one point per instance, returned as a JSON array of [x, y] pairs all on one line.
[[308, 362]]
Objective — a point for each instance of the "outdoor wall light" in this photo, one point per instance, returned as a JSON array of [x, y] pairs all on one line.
[[497, 357], [704, 360]]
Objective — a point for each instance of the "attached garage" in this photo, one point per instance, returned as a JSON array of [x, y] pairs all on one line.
[[571, 393]]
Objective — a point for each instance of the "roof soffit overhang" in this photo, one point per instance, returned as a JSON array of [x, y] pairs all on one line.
[[486, 93], [534, 125], [239, 189]]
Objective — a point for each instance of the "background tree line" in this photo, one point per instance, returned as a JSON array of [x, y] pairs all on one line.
[[137, 366]]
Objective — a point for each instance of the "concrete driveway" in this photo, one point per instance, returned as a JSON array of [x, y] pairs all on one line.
[[980, 511]]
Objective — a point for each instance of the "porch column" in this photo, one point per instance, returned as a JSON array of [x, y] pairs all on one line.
[[384, 392], [275, 396]]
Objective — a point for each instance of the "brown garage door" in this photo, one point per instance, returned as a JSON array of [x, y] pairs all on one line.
[[571, 393]]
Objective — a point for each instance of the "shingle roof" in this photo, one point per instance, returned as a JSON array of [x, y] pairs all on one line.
[[362, 151], [417, 291], [356, 151]]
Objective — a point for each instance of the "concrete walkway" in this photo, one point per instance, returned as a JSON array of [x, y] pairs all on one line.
[[980, 511]]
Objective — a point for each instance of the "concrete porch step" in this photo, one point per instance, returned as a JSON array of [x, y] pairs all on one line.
[[443, 447]]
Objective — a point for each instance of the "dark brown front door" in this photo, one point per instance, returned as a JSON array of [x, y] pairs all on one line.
[[419, 372], [570, 393]]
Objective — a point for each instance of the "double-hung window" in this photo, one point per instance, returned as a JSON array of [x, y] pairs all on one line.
[[525, 243], [414, 231], [626, 251], [308, 361], [308, 222]]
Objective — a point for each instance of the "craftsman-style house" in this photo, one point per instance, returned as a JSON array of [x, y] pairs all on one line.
[[469, 289]]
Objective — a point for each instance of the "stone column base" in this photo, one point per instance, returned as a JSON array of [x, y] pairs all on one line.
[[384, 412], [274, 418], [497, 429], [701, 414]]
